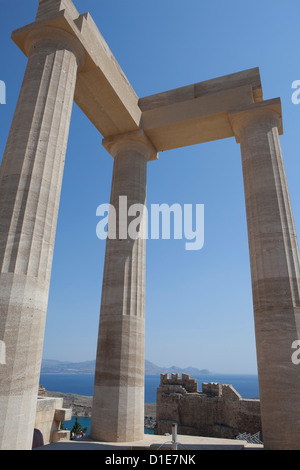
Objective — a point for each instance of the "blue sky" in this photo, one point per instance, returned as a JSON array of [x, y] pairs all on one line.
[[198, 303]]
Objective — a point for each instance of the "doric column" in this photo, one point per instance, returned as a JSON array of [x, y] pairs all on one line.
[[30, 185], [275, 271], [118, 403]]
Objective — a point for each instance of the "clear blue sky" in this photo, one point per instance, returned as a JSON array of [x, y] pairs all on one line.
[[198, 303]]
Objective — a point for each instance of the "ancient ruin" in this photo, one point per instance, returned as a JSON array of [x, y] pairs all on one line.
[[68, 60], [216, 411], [50, 413]]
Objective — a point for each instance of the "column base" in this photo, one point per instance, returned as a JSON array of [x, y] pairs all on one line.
[[121, 414]]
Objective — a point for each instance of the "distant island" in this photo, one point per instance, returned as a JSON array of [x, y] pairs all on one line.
[[153, 369], [51, 366]]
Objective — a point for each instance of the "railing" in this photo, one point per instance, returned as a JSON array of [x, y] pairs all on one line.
[[250, 438]]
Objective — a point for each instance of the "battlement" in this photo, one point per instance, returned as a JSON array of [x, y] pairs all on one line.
[[214, 389], [189, 384]]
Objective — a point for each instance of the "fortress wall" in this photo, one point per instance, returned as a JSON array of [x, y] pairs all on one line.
[[217, 411]]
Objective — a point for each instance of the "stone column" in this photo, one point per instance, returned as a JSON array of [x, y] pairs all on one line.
[[275, 271], [118, 403], [30, 185]]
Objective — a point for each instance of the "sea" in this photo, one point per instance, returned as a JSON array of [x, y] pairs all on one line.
[[83, 384]]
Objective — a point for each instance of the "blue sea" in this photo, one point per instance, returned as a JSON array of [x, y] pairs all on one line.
[[83, 384]]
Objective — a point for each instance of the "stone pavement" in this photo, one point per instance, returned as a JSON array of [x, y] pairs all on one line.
[[153, 442]]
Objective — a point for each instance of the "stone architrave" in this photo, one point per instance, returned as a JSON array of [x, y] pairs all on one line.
[[118, 401], [275, 271], [30, 185]]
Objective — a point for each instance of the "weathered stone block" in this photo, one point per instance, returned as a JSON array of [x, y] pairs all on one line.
[[63, 414]]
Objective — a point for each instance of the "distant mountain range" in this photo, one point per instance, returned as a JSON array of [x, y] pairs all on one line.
[[50, 366], [153, 369]]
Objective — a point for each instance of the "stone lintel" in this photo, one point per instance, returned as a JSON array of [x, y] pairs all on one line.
[[198, 113], [130, 140], [238, 116], [226, 82], [185, 116], [102, 91]]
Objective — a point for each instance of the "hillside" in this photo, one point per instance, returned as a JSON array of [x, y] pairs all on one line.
[[50, 366], [60, 367], [153, 369]]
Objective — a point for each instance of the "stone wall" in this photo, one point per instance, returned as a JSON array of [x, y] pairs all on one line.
[[217, 411], [49, 414]]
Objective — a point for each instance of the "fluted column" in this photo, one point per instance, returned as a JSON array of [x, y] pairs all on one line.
[[275, 271], [118, 402], [30, 185]]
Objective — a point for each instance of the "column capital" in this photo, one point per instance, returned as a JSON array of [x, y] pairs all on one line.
[[42, 33], [268, 112], [136, 140]]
